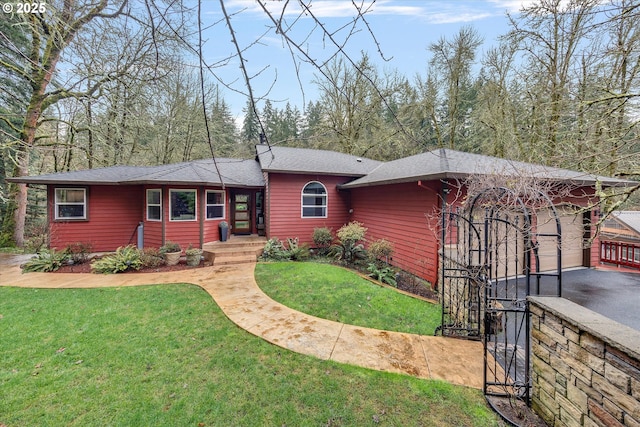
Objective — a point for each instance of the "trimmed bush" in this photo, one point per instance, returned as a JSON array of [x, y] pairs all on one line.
[[322, 238], [349, 248], [381, 249], [151, 258]]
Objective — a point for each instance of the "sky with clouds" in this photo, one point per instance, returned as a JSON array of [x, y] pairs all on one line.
[[403, 29]]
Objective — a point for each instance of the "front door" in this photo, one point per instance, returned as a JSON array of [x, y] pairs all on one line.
[[241, 213]]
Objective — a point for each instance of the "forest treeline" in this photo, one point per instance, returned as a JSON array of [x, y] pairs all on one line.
[[82, 87]]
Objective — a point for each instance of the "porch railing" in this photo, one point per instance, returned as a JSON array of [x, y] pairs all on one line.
[[620, 253]]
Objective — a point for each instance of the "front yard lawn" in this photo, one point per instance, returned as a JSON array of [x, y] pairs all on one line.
[[167, 356], [334, 293]]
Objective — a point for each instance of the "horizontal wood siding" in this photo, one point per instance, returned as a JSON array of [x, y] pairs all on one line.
[[285, 203], [114, 213], [407, 216], [152, 234], [211, 231]]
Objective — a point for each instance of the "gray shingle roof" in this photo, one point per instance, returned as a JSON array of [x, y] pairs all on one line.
[[445, 163], [630, 218], [234, 172], [306, 160], [437, 164]]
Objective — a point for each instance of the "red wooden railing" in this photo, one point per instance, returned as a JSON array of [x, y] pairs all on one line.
[[618, 253]]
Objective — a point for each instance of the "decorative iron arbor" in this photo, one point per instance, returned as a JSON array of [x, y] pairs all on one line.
[[489, 265]]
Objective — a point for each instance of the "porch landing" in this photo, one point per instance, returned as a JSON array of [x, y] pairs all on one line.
[[236, 250]]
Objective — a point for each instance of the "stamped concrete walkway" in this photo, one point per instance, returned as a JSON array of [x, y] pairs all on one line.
[[234, 289]]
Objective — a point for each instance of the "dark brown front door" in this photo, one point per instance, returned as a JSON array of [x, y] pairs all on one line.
[[241, 213]]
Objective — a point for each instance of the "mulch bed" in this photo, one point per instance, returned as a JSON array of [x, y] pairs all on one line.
[[86, 268], [406, 282]]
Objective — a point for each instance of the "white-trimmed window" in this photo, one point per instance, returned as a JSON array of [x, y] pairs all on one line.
[[182, 205], [154, 204], [314, 200], [71, 203], [214, 204]]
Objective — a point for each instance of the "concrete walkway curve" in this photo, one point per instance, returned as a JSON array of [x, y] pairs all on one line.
[[235, 291]]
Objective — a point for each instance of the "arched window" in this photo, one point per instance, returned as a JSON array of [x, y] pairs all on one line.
[[314, 200]]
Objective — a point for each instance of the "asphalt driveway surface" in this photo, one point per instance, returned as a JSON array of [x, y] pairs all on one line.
[[613, 294]]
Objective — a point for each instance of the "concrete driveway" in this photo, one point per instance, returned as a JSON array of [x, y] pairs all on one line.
[[613, 294]]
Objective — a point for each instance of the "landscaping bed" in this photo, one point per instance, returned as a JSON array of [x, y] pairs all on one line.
[[85, 267]]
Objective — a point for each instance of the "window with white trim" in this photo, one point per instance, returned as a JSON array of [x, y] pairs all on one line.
[[182, 205], [71, 203], [314, 200], [215, 204], [154, 204]]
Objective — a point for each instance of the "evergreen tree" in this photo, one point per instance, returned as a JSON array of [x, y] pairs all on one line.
[[250, 133]]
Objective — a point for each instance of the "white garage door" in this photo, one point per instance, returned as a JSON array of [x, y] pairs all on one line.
[[572, 238]]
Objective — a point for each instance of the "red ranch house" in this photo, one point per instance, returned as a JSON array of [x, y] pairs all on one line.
[[287, 192]]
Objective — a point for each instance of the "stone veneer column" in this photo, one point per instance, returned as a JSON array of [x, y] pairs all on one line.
[[586, 367]]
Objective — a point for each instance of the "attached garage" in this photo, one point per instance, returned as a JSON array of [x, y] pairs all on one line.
[[572, 226], [507, 247]]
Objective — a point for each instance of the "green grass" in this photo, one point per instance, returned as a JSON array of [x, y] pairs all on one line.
[[334, 293], [167, 356]]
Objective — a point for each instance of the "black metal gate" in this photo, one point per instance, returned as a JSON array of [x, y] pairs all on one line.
[[489, 265]]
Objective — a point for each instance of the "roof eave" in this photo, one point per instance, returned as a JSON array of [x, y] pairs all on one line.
[[403, 180], [460, 175], [27, 180], [312, 172]]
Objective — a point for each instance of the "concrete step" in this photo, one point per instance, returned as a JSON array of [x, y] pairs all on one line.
[[234, 260], [236, 250]]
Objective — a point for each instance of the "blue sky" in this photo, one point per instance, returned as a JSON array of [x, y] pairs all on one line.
[[403, 28]]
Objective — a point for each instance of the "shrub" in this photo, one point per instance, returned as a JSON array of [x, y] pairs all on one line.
[[274, 250], [79, 252], [295, 251], [126, 258], [322, 238], [380, 249], [353, 232], [151, 258], [349, 249], [45, 261]]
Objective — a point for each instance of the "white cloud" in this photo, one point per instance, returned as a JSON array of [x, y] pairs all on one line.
[[435, 12], [512, 6]]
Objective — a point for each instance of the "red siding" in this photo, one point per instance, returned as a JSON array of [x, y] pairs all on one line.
[[184, 232], [152, 234], [284, 206], [407, 216], [112, 221]]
